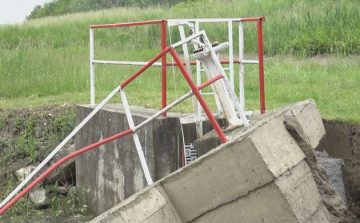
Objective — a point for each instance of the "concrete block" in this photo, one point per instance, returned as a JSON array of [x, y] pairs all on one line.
[[333, 168], [290, 198], [113, 172], [265, 204], [300, 190], [254, 158], [307, 116], [150, 206]]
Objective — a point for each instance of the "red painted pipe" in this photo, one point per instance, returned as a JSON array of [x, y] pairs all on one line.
[[135, 75], [163, 67], [212, 80], [57, 164], [198, 95], [252, 19], [261, 67]]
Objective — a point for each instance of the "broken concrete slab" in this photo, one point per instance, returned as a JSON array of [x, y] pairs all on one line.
[[302, 116], [253, 158], [150, 205], [343, 141], [308, 141], [290, 198], [308, 117], [300, 191], [259, 175]]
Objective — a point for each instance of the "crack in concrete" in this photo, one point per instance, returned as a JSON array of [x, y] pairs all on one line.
[[245, 195]]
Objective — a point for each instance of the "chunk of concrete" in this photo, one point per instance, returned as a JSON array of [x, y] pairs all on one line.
[[292, 197], [298, 125], [260, 175], [303, 118], [308, 119], [333, 168], [151, 205], [255, 157], [39, 199], [22, 173]]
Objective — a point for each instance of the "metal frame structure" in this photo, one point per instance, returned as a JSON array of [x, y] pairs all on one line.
[[171, 22], [195, 90]]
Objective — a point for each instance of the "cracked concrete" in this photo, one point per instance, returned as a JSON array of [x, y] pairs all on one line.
[[265, 173]]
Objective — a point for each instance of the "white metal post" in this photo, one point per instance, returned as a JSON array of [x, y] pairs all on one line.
[[92, 68], [198, 80], [195, 103], [198, 75], [241, 70], [231, 54], [136, 138]]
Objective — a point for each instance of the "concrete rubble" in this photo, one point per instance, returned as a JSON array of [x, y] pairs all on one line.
[[39, 199], [265, 173], [22, 173]]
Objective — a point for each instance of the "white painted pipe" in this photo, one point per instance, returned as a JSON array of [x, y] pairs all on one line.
[[92, 69], [136, 138], [125, 62], [167, 108], [188, 39], [242, 68], [231, 55]]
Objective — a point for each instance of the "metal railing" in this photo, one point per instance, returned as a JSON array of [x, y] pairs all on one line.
[[11, 200], [171, 22]]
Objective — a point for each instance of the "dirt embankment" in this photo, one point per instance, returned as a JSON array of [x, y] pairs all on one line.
[[27, 136]]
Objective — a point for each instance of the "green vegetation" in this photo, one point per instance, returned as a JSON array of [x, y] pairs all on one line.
[[62, 7], [53, 8], [34, 133], [46, 61], [27, 137]]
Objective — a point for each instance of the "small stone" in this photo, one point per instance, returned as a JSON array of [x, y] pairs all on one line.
[[39, 199], [62, 190], [22, 173]]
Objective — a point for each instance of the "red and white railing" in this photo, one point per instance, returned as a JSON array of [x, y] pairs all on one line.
[[197, 22]]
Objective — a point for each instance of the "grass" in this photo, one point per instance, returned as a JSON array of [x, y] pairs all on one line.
[[46, 61], [330, 80]]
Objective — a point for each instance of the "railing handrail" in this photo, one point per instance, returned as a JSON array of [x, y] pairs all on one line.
[[8, 202]]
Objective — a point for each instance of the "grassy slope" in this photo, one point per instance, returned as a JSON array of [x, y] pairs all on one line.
[[46, 61]]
